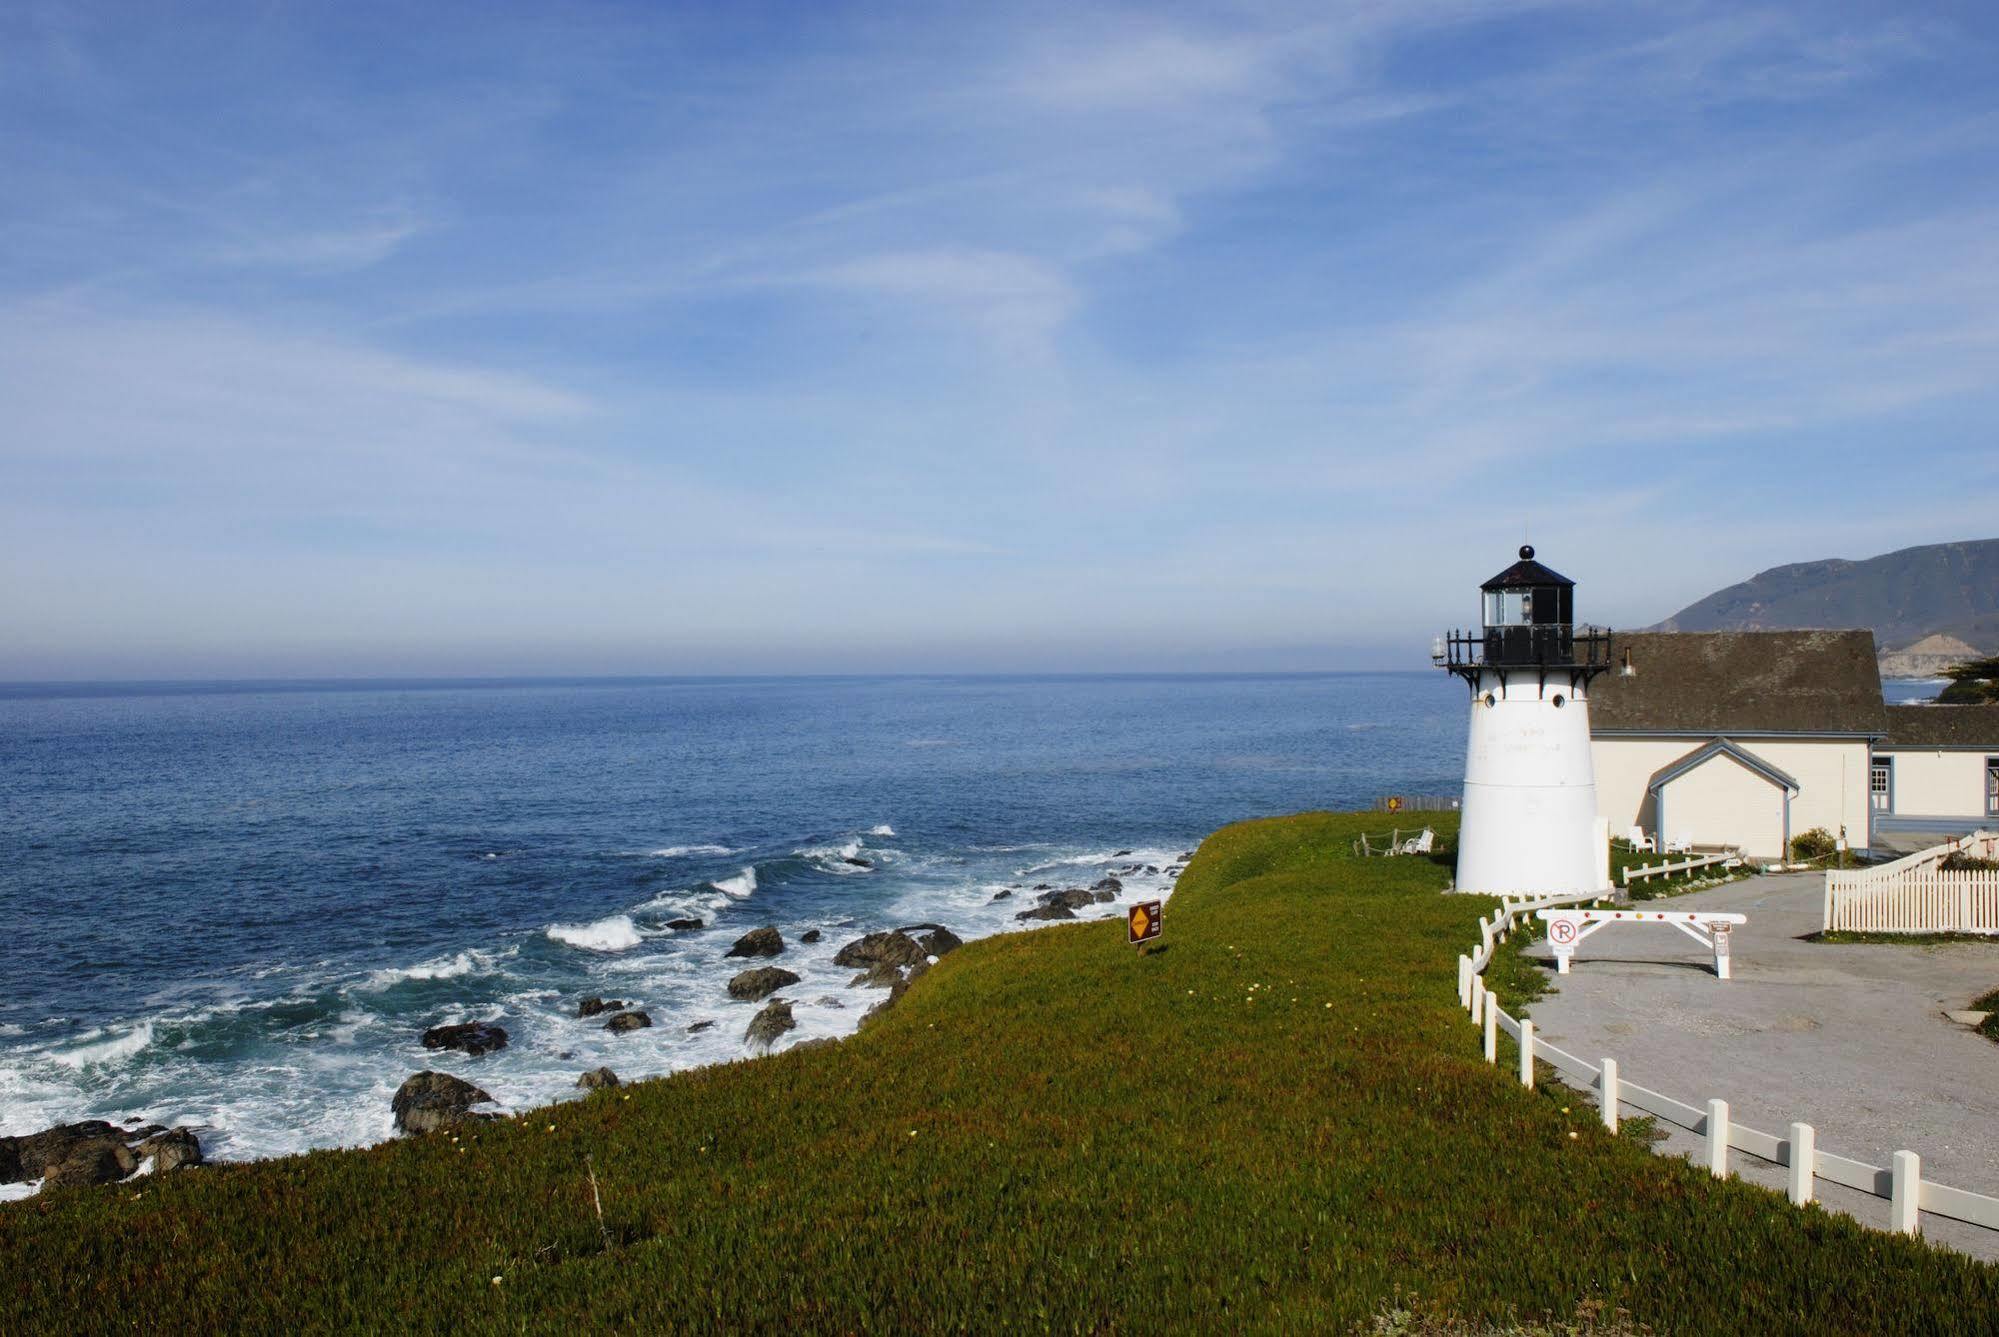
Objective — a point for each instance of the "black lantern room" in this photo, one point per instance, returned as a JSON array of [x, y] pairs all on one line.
[[1528, 622], [1529, 615]]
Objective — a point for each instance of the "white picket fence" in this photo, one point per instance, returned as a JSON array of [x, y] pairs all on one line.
[[1902, 1184], [1915, 895]]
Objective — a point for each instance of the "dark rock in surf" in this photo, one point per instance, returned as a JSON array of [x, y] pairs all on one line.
[[1120, 854], [767, 1025], [30, 1156], [765, 941], [762, 982], [472, 1037], [686, 925], [934, 939], [593, 1005], [857, 863], [895, 949], [597, 1079], [432, 1100], [1072, 898], [1046, 912], [1109, 884], [699, 1026], [1042, 886], [810, 935], [171, 1150], [627, 1021], [999, 896], [880, 975], [90, 1160]]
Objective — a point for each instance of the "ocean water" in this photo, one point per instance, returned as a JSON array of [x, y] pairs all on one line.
[[238, 906]]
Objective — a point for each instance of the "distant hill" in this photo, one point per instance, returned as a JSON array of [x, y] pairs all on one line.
[[1939, 590]]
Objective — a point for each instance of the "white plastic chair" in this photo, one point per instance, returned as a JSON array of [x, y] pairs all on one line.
[[1638, 840], [1420, 844], [1680, 844]]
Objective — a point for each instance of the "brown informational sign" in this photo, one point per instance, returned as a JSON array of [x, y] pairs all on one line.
[[1142, 924]]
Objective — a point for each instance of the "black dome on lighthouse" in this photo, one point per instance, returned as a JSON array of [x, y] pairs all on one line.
[[1526, 572]]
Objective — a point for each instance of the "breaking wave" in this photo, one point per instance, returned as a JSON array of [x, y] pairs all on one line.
[[613, 933], [108, 1050], [739, 886]]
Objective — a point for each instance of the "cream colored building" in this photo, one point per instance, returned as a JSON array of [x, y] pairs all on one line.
[[1936, 772], [1737, 739]]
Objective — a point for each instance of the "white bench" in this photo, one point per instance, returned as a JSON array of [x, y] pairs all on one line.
[[1567, 929]]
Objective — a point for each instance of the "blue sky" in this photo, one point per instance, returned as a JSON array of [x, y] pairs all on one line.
[[496, 338]]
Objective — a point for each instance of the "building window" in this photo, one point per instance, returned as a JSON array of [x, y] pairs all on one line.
[[1881, 784], [1992, 786]]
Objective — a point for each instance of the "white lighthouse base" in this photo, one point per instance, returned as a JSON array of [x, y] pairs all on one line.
[[1530, 823]]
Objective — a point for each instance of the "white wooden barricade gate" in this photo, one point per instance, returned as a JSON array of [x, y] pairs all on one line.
[[1567, 929]]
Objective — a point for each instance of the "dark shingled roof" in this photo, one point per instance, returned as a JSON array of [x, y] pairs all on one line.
[[1740, 682], [1943, 726], [1526, 573]]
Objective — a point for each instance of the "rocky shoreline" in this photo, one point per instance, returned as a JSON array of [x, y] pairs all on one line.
[[96, 1152]]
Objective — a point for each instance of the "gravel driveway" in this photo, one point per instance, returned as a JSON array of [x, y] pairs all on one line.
[[1850, 1039]]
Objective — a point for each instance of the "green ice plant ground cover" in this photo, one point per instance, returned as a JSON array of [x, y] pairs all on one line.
[[1279, 1122]]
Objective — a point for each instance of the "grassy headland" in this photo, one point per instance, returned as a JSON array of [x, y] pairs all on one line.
[[1278, 1122]]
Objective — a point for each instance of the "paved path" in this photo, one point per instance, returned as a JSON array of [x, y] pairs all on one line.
[[1850, 1039]]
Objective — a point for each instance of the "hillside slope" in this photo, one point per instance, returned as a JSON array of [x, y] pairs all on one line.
[[1949, 589], [1279, 1122]]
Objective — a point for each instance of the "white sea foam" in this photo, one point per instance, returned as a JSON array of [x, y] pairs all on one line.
[[109, 1049], [1103, 859], [468, 962], [738, 887], [613, 933], [883, 830], [836, 858], [681, 851]]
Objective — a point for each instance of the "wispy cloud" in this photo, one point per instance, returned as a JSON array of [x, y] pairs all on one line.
[[365, 243], [665, 331]]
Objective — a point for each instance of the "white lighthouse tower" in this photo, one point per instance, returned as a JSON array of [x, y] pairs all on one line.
[[1530, 819]]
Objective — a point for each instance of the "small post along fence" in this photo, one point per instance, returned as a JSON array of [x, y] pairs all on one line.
[[1900, 1183], [1568, 928]]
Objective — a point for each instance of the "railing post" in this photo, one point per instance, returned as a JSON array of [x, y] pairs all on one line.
[[1717, 1138], [1905, 1193], [1491, 1030], [1804, 1162], [1464, 981], [1526, 1053], [1477, 1000], [1609, 1082]]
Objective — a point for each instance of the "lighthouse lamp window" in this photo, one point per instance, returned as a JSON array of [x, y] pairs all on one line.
[[1509, 608]]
